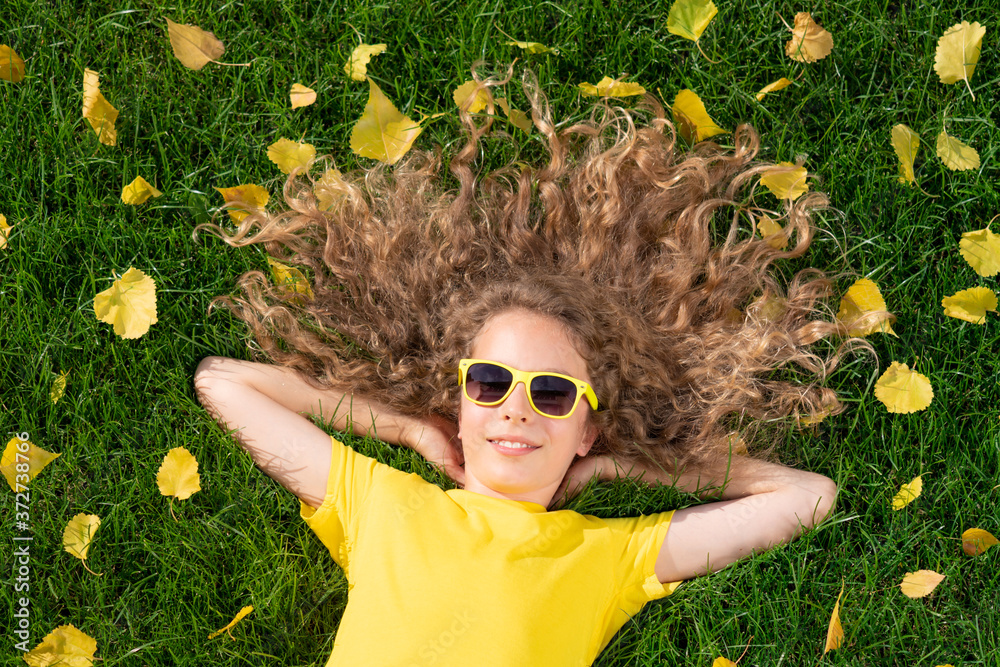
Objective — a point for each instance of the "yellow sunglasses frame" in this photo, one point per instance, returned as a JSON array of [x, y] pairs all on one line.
[[525, 378]]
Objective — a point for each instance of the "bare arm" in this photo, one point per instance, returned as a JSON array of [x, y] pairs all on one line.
[[264, 404], [759, 505]]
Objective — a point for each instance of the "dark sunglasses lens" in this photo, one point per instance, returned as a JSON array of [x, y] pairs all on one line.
[[553, 395], [487, 383]]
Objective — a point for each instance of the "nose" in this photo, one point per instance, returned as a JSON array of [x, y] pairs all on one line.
[[517, 407]]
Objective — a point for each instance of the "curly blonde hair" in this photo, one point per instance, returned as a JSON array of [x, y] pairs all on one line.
[[622, 236]]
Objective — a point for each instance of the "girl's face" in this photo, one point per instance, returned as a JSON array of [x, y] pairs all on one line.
[[510, 450]]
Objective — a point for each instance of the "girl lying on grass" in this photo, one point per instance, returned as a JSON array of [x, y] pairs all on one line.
[[527, 331]]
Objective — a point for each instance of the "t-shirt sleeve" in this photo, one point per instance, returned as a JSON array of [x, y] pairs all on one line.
[[641, 539], [335, 521]]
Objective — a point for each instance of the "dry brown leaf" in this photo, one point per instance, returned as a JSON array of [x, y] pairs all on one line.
[[193, 46], [809, 42], [920, 583]]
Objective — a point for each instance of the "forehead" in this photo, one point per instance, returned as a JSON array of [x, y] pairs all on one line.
[[529, 341]]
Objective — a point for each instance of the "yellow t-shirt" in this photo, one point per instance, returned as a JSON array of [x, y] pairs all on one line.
[[458, 578]]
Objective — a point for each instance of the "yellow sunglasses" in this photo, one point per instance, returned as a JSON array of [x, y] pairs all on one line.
[[554, 395]]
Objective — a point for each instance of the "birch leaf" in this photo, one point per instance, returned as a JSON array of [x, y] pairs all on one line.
[[862, 310], [518, 118], [243, 200], [301, 96], [906, 142], [772, 233], [383, 133], [65, 646], [357, 64], [291, 155], [722, 661], [129, 304], [809, 42], [976, 541], [471, 97], [955, 154], [835, 631], [971, 305], [4, 231], [958, 52], [193, 46], [138, 192], [79, 534], [11, 65], [773, 87], [692, 119], [236, 619], [290, 278], [920, 583], [907, 493], [903, 391], [58, 387], [786, 181], [19, 453], [689, 18], [981, 249], [608, 87], [534, 48], [98, 111], [178, 474]]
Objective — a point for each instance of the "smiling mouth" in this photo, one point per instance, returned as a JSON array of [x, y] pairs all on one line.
[[512, 447]]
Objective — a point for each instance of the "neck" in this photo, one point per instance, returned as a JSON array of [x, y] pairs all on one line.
[[540, 496]]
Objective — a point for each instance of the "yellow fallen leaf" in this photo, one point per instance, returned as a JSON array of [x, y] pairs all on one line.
[[518, 118], [955, 154], [534, 48], [236, 619], [772, 233], [971, 305], [65, 646], [11, 65], [920, 583], [138, 191], [383, 133], [242, 200], [129, 304], [98, 111], [903, 391], [301, 96], [290, 155], [471, 97], [357, 64], [958, 52], [178, 474], [857, 308], [906, 142], [812, 420], [58, 387], [608, 87], [689, 18], [907, 493], [773, 86], [723, 662], [809, 42], [22, 461], [291, 278], [771, 308], [835, 631], [79, 535], [330, 189], [193, 46], [4, 231], [786, 180], [692, 119], [976, 541], [981, 249]]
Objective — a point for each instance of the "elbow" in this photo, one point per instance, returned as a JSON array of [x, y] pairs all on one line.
[[210, 378]]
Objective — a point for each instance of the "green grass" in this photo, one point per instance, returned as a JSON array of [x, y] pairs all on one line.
[[167, 584]]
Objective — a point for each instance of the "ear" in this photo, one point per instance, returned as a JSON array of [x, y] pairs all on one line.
[[589, 436]]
